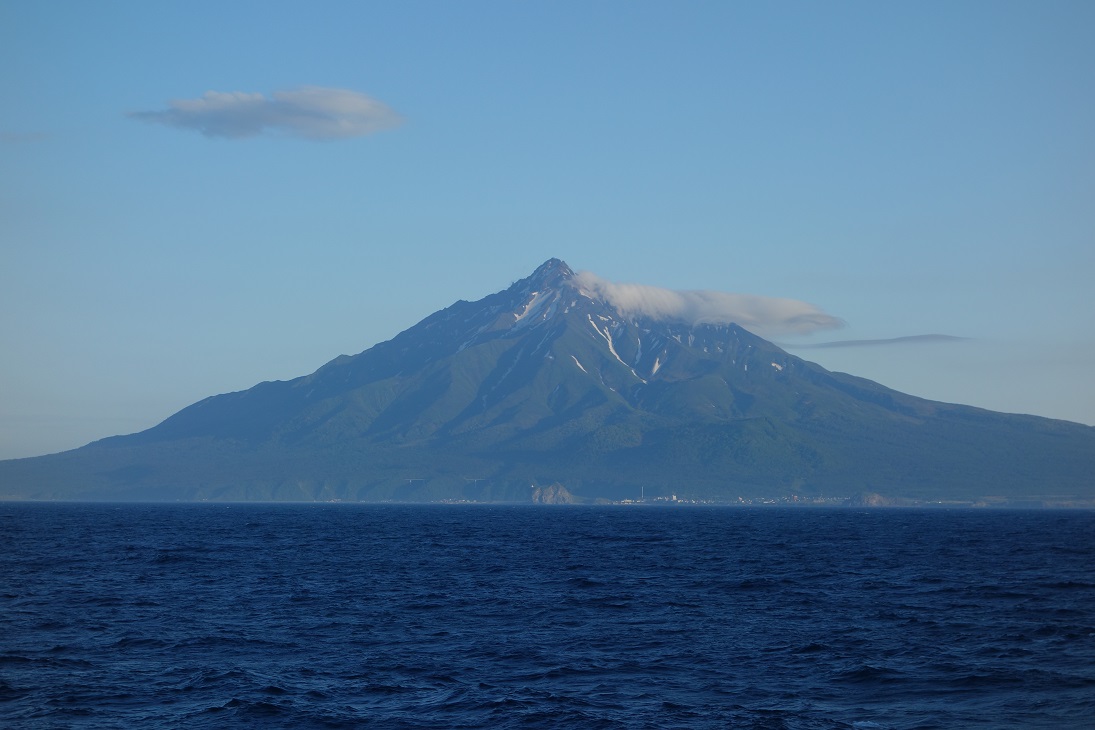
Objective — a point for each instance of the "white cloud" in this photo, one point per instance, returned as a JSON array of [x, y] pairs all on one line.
[[311, 112], [761, 315], [905, 340]]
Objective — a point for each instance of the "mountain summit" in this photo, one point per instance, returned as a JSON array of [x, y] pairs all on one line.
[[549, 382]]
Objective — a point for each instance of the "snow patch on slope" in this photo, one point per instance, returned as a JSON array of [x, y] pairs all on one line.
[[607, 335], [539, 308]]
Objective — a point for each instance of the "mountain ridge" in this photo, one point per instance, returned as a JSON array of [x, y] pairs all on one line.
[[546, 383]]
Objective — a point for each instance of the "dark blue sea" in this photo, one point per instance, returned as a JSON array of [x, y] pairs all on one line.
[[340, 616]]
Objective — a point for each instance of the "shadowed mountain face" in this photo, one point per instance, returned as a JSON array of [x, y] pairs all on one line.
[[545, 383]]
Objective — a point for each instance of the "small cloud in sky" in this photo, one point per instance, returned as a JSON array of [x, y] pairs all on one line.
[[310, 112], [762, 315], [909, 339]]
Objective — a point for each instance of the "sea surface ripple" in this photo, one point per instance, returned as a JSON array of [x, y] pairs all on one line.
[[342, 616]]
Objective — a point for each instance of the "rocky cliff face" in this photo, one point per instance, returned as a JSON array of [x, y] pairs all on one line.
[[555, 494]]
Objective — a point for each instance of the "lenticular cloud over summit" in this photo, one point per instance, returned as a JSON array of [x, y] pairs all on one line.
[[762, 315]]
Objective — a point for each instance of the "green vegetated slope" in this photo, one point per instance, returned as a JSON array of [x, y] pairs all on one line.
[[543, 383]]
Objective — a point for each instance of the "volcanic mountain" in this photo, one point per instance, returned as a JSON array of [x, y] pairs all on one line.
[[548, 383]]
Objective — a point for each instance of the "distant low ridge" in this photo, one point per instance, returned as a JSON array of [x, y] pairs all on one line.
[[561, 390]]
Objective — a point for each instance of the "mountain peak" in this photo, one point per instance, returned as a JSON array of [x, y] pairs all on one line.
[[550, 274]]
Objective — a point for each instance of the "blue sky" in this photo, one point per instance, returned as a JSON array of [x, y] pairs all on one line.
[[908, 168]]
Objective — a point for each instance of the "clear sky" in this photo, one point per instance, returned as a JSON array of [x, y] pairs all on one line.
[[199, 196]]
